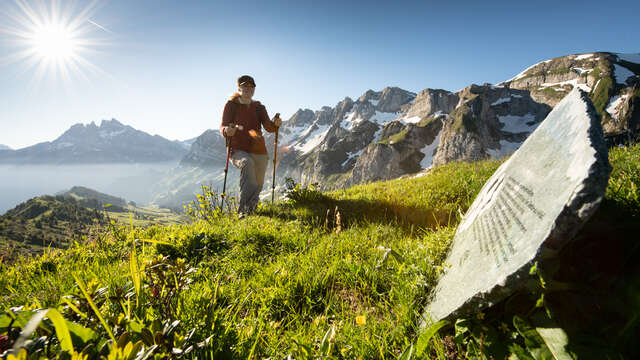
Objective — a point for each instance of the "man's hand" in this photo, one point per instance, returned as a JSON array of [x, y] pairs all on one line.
[[229, 131], [276, 120]]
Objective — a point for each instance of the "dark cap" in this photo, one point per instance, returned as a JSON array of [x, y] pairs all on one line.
[[246, 80]]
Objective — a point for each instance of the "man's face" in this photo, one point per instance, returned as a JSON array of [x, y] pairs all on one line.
[[246, 90]]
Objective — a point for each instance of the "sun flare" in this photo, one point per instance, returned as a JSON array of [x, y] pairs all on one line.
[[52, 39]]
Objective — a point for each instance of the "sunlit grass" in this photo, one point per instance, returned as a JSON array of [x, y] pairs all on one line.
[[344, 274]]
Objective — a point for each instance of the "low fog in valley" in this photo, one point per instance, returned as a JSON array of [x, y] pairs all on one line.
[[133, 182]]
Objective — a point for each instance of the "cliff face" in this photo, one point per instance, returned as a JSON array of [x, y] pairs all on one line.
[[610, 79]]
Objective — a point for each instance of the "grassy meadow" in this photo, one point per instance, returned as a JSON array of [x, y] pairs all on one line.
[[343, 274]]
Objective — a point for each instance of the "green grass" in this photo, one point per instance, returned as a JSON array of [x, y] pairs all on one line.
[[601, 95], [552, 93], [463, 119], [342, 274], [395, 138]]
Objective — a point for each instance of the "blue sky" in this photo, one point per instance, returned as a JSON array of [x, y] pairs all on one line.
[[167, 67]]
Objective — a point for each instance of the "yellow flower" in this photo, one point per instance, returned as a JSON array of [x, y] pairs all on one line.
[[361, 320], [480, 315]]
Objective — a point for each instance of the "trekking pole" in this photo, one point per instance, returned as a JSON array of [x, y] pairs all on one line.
[[226, 170], [226, 167], [275, 156]]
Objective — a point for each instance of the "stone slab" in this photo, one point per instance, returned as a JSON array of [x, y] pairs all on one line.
[[539, 198]]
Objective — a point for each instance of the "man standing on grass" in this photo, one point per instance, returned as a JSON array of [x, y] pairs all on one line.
[[242, 122]]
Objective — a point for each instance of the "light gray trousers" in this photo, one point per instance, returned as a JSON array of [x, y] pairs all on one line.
[[252, 168]]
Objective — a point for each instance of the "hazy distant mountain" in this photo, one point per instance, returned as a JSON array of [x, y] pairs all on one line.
[[4, 147], [91, 198], [111, 142], [207, 150], [186, 143]]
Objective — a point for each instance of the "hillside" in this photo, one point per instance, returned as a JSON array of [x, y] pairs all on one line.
[[94, 199], [343, 274], [77, 215], [43, 223]]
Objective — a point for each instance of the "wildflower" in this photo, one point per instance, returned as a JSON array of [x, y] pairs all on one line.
[[361, 320], [480, 316]]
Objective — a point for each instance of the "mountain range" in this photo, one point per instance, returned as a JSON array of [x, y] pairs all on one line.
[[111, 142], [380, 135], [394, 132]]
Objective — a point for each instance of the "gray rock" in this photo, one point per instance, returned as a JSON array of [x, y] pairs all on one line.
[[539, 198]]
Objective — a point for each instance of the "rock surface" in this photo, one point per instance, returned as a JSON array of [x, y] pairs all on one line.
[[539, 198]]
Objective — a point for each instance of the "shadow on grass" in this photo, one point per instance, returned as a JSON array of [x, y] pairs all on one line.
[[602, 258], [322, 210]]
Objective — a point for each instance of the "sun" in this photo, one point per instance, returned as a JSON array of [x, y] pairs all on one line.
[[54, 42], [50, 38]]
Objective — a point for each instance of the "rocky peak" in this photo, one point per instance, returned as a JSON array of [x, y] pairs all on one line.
[[300, 118], [431, 102], [344, 106], [369, 95], [392, 99], [111, 124]]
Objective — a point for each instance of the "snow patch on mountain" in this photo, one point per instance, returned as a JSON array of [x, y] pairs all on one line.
[[312, 138], [501, 101], [351, 155], [581, 71], [382, 118], [622, 74], [614, 103], [428, 151], [350, 120], [583, 56], [573, 82], [296, 131], [110, 134], [518, 124], [410, 120], [522, 74], [506, 148], [634, 58]]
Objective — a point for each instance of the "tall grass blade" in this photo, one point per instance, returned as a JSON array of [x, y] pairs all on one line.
[[93, 306], [556, 340], [425, 336], [134, 271], [255, 343], [62, 331]]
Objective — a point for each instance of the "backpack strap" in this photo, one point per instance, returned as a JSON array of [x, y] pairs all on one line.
[[234, 108]]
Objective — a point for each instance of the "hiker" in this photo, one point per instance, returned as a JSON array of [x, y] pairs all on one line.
[[242, 120]]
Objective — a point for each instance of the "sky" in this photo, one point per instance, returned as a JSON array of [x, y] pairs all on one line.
[[167, 67]]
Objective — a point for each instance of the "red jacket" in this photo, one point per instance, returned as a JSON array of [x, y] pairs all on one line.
[[251, 117]]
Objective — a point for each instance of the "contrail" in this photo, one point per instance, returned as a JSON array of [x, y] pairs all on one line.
[[100, 26]]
